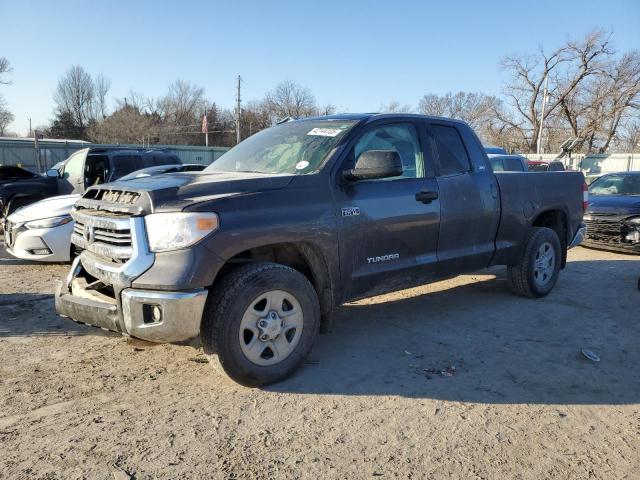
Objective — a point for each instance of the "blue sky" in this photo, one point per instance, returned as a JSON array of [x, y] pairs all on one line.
[[356, 55]]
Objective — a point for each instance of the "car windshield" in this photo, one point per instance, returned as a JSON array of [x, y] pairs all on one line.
[[298, 147], [616, 185]]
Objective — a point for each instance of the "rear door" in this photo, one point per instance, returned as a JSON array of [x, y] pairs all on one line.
[[389, 227], [470, 205]]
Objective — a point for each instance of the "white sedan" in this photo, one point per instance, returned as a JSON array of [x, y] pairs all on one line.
[[41, 231]]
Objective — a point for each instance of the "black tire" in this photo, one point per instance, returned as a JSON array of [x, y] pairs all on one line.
[[226, 305], [523, 276]]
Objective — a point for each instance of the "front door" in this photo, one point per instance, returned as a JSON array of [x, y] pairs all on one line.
[[72, 178], [389, 226]]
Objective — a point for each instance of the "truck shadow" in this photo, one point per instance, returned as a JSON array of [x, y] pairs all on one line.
[[31, 314], [479, 343]]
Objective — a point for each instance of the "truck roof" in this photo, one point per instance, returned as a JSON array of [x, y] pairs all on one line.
[[372, 116]]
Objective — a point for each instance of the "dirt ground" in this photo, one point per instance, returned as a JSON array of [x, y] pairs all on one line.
[[458, 379]]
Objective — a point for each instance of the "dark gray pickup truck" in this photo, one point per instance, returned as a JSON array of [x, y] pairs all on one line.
[[252, 255]]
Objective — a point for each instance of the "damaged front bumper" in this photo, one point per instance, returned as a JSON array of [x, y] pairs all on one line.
[[155, 316], [100, 293]]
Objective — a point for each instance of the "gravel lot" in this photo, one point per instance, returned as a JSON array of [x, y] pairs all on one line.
[[458, 379]]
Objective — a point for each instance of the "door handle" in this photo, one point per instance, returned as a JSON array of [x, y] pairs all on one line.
[[426, 196]]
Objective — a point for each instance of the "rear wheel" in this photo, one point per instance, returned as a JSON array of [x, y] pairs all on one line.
[[537, 272], [260, 323]]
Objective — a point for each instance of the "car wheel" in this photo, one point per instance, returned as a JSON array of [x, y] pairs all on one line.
[[260, 323], [537, 271]]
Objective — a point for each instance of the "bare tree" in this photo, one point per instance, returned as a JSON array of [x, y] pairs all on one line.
[[473, 108], [566, 69], [76, 94], [629, 137], [5, 67], [288, 99], [102, 85], [183, 103], [395, 107], [6, 117]]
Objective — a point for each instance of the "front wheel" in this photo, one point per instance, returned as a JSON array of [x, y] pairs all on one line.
[[260, 323], [537, 271]]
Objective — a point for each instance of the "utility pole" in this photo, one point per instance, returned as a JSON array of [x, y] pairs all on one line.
[[205, 127], [238, 112], [29, 127], [544, 104]]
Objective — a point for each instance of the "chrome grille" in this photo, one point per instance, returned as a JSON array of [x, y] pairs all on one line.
[[107, 236]]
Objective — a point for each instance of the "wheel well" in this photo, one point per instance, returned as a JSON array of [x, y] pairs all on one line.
[[556, 220], [20, 201], [301, 256]]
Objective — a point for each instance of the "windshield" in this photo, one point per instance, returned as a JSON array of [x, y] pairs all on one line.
[[616, 185], [290, 148]]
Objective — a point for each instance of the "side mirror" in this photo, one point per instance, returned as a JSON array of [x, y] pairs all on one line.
[[53, 173], [375, 164]]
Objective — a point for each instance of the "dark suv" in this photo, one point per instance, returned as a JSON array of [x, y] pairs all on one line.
[[84, 168]]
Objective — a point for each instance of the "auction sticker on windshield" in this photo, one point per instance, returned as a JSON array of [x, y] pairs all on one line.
[[325, 132]]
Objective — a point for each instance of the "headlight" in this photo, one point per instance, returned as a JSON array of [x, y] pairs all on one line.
[[48, 222], [172, 231], [633, 220]]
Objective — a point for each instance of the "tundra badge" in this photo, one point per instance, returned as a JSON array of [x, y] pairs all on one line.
[[383, 258]]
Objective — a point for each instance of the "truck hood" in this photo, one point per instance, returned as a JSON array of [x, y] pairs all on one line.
[[616, 204], [47, 208], [174, 191]]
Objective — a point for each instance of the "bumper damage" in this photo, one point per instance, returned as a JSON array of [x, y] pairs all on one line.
[[155, 316]]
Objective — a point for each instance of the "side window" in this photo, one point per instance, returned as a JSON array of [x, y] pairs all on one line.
[[402, 138], [496, 165], [451, 151], [513, 165], [73, 167], [125, 164]]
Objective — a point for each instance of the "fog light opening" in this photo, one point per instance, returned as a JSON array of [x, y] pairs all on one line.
[[40, 251], [152, 313]]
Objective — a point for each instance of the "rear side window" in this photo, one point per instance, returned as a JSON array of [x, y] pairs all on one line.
[[125, 164], [164, 160], [496, 165], [453, 156], [513, 165]]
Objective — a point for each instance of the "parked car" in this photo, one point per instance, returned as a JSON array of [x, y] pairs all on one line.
[[42, 231], [253, 254], [540, 166], [86, 167], [507, 163], [13, 173], [490, 149], [613, 215]]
